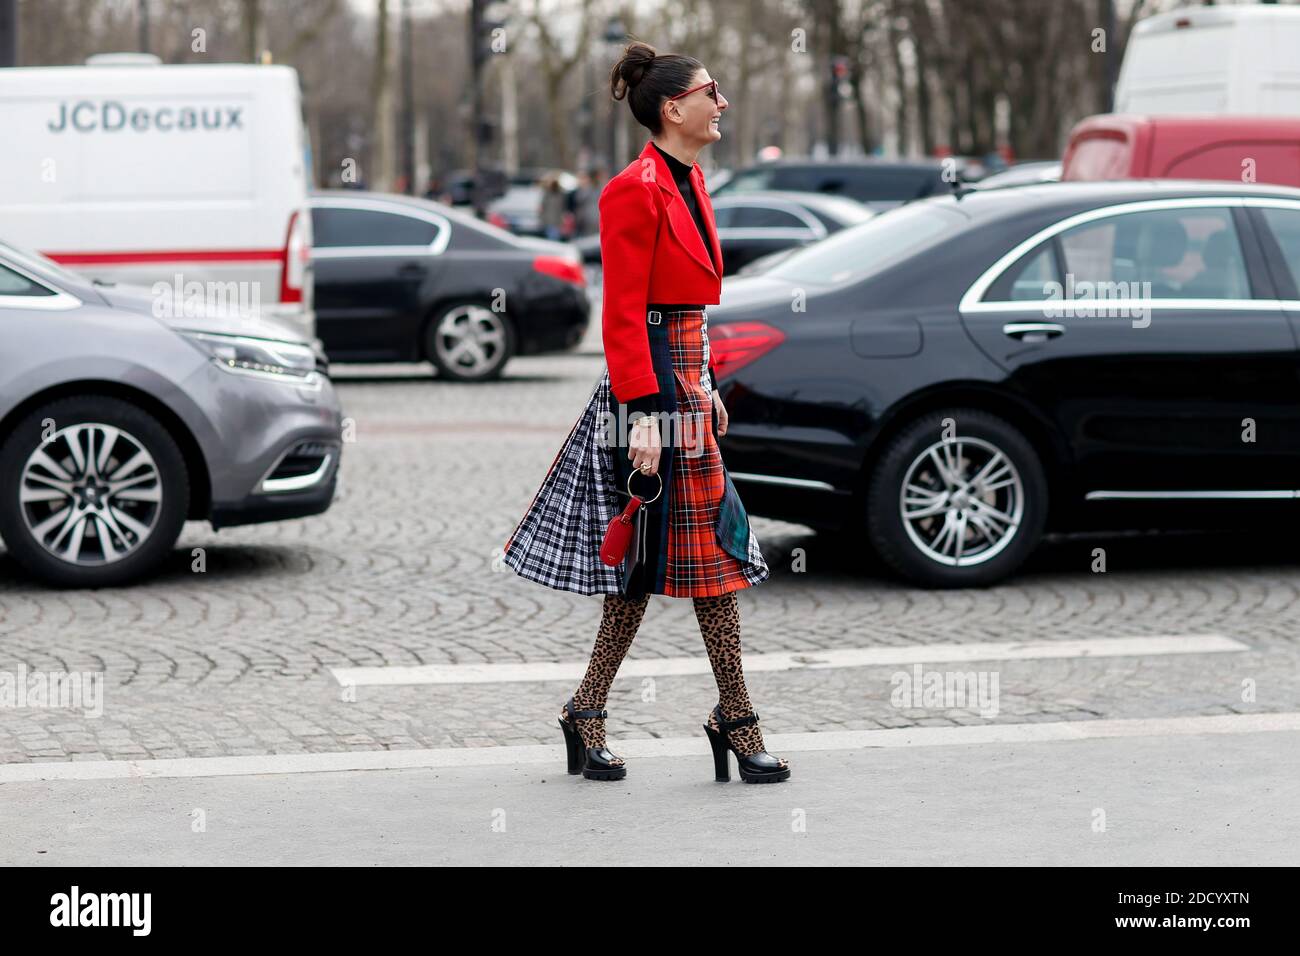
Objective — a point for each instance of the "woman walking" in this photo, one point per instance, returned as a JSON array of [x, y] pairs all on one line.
[[662, 266]]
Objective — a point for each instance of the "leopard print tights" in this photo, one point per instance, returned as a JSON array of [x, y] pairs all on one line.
[[719, 621]]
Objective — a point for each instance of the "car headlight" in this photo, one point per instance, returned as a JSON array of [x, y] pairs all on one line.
[[289, 362]]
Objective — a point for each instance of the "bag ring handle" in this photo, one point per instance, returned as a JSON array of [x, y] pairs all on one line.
[[645, 501]]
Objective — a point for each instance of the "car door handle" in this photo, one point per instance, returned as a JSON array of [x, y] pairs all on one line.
[[412, 270], [1033, 331]]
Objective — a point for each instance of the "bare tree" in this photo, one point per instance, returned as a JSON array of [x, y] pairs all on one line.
[[384, 155], [965, 75], [556, 68]]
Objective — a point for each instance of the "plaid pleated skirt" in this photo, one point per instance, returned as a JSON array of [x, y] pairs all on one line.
[[698, 539]]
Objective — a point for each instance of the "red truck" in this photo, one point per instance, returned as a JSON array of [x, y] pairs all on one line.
[[1264, 149]]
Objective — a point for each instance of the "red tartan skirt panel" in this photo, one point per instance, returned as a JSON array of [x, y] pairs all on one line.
[[697, 565], [557, 543]]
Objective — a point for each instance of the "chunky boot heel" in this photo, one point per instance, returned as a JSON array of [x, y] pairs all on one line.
[[761, 767], [572, 746], [594, 763], [721, 765]]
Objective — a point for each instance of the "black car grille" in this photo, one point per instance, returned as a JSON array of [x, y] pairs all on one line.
[[303, 459]]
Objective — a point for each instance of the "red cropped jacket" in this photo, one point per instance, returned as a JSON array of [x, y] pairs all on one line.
[[651, 252]]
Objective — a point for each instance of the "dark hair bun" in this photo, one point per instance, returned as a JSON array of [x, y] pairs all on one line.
[[646, 79], [631, 68]]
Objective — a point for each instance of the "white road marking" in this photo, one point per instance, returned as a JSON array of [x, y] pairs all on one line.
[[780, 744], [847, 657]]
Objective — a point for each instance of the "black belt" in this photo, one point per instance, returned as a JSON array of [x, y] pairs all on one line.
[[655, 313]]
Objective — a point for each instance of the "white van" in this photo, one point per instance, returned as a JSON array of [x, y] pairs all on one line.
[[132, 171], [1236, 61]]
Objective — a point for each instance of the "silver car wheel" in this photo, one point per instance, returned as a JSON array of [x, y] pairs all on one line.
[[91, 494], [962, 501], [470, 339]]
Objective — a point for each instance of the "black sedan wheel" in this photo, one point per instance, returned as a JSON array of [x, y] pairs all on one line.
[[94, 492], [468, 342], [958, 499]]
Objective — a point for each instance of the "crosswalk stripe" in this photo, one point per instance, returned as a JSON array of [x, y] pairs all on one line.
[[781, 744], [796, 660]]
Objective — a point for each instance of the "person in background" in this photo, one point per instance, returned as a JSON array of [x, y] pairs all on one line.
[[585, 203], [436, 191], [553, 203]]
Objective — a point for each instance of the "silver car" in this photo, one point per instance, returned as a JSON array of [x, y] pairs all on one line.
[[124, 412]]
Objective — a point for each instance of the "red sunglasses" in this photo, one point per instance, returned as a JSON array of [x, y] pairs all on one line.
[[713, 93]]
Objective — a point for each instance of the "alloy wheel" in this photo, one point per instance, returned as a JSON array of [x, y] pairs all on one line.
[[471, 340], [90, 494], [962, 501]]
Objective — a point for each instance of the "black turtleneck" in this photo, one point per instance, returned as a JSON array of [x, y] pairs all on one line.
[[682, 176]]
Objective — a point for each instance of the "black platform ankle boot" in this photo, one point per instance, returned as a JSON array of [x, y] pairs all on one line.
[[761, 767], [594, 763]]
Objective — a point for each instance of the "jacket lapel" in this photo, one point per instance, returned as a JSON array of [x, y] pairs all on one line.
[[706, 207], [680, 223]]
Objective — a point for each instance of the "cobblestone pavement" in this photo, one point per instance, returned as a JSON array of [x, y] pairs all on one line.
[[404, 570]]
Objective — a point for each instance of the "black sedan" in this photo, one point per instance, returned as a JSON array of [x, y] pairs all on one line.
[[959, 375], [403, 279], [752, 225], [878, 183]]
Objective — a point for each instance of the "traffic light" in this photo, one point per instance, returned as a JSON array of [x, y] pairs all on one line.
[[840, 76]]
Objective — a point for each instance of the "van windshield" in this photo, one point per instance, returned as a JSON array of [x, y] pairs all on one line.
[[864, 250]]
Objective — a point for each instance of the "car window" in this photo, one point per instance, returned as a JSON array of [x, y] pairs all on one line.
[[14, 283], [830, 221], [38, 263], [863, 250], [747, 182], [810, 179], [766, 217], [1285, 226], [1028, 279], [863, 183], [722, 216], [1164, 254], [478, 237], [895, 185], [334, 227], [841, 213]]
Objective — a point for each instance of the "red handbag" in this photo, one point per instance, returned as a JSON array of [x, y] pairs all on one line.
[[618, 536]]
